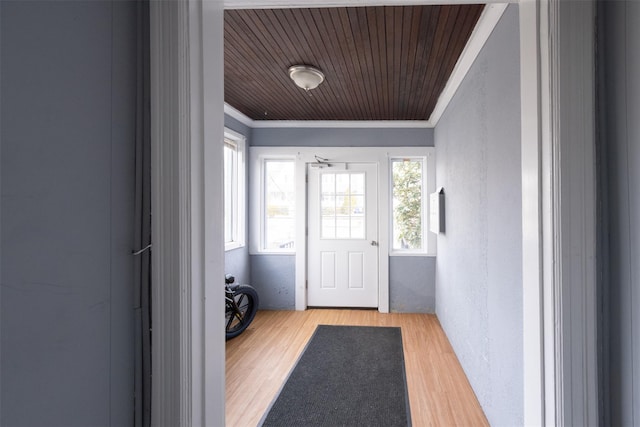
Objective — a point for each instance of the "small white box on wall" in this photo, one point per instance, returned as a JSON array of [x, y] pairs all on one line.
[[436, 211]]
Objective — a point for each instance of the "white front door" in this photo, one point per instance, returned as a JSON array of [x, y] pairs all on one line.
[[343, 236]]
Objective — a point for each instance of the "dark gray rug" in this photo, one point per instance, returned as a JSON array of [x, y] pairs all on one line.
[[346, 376]]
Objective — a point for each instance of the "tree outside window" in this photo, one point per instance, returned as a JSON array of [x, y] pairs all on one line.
[[407, 175]]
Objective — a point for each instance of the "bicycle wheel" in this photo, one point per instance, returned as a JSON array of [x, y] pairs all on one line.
[[238, 319]]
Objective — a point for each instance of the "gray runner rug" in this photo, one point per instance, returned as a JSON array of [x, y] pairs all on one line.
[[347, 376]]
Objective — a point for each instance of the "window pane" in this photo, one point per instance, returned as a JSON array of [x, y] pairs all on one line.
[[279, 204], [230, 182], [407, 204], [342, 228], [329, 227], [328, 205], [328, 183], [357, 205], [357, 228], [357, 183], [342, 202], [342, 183]]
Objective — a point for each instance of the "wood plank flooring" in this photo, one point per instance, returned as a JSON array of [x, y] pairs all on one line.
[[259, 360]]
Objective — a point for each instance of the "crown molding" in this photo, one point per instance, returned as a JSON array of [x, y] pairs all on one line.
[[483, 29], [286, 4]]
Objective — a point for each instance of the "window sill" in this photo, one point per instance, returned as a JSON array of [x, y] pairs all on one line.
[[408, 253], [233, 245]]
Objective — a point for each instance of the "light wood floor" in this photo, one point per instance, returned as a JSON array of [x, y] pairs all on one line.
[[259, 360]]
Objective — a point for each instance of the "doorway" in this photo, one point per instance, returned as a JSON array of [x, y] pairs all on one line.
[[342, 235]]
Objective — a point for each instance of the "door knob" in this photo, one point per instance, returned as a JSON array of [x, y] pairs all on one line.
[[374, 243]]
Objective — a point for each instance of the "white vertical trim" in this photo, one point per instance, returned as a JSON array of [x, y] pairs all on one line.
[[532, 212], [301, 233], [572, 59], [166, 42], [384, 203], [187, 257], [558, 161], [549, 219], [212, 319]]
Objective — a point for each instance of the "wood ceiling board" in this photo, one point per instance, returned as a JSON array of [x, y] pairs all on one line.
[[380, 63]]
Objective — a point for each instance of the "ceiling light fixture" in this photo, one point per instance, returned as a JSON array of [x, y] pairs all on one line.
[[306, 77]]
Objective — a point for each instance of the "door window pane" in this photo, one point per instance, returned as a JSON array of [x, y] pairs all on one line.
[[343, 205]]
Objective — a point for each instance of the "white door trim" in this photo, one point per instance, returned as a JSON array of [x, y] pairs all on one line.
[[341, 293], [572, 139], [187, 254], [559, 206], [534, 328], [545, 242]]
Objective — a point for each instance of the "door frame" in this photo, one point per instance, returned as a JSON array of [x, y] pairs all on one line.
[[371, 195], [190, 323], [306, 155]]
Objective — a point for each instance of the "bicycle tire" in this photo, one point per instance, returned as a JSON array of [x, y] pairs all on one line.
[[236, 322]]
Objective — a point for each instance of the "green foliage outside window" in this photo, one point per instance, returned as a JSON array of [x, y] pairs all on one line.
[[407, 204]]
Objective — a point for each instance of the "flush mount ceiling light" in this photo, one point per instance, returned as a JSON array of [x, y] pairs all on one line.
[[306, 77]]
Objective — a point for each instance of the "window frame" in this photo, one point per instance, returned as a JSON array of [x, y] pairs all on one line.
[[239, 191], [424, 207], [257, 244]]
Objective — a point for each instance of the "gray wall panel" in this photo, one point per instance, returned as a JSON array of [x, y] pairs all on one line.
[[479, 262], [412, 287], [67, 128], [273, 276], [342, 137]]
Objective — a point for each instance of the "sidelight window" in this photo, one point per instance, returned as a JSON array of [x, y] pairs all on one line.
[[234, 193], [408, 204]]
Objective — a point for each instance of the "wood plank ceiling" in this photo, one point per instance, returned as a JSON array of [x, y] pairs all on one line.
[[380, 63]]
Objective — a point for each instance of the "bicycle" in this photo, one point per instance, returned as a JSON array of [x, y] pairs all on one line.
[[241, 303]]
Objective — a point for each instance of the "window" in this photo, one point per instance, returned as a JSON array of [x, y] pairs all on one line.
[[234, 192], [343, 203], [408, 195], [279, 222]]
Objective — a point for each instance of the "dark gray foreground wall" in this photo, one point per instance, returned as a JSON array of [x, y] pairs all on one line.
[[620, 109], [67, 147], [479, 267], [411, 278], [237, 260]]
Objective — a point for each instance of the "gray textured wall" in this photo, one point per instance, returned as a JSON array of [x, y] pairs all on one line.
[[412, 284], [411, 279], [479, 262], [67, 146], [273, 276], [620, 154], [343, 137], [237, 260]]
